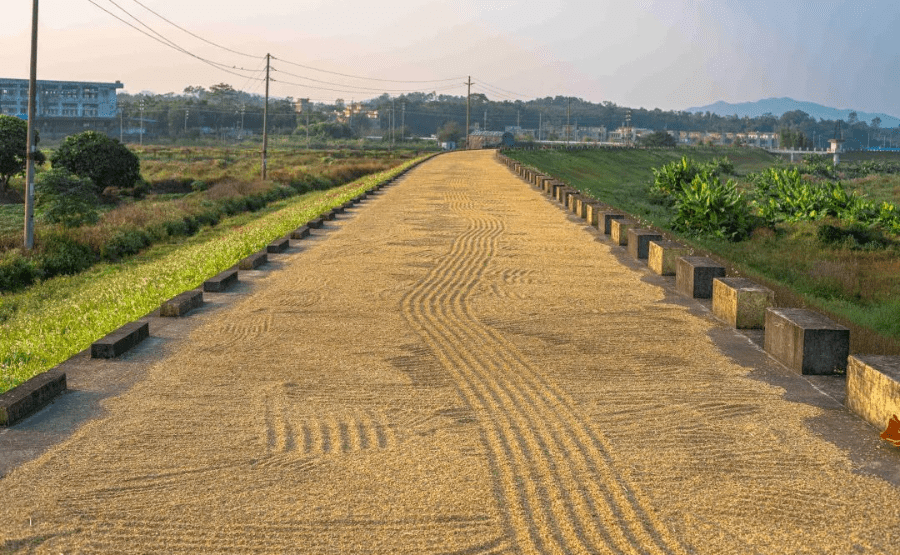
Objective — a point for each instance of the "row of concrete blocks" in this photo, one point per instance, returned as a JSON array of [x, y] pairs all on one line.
[[32, 395], [803, 340]]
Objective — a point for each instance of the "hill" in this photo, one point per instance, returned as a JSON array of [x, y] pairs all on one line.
[[778, 106]]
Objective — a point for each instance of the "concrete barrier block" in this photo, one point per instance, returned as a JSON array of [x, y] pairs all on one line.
[[873, 387], [662, 256], [741, 303], [619, 231], [694, 276], [279, 245], [221, 281], [639, 242], [127, 337], [253, 261], [300, 233], [181, 304], [27, 398], [316, 223], [605, 219], [591, 211], [806, 341]]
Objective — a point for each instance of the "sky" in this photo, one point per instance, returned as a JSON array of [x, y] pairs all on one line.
[[667, 54]]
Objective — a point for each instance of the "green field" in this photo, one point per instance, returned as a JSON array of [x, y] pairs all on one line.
[[858, 288]]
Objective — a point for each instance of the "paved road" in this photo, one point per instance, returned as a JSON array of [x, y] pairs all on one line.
[[455, 367]]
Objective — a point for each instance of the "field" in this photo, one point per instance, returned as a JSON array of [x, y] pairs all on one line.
[[859, 287]]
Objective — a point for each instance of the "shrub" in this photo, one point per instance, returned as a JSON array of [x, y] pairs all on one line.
[[709, 207], [61, 254], [66, 198], [106, 161], [124, 242], [16, 271], [13, 139], [670, 179]]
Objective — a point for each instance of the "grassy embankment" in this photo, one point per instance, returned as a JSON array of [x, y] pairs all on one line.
[[57, 318], [858, 288]]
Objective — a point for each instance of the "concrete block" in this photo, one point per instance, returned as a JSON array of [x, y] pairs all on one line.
[[328, 216], [179, 305], [619, 231], [572, 201], [316, 223], [253, 261], [605, 219], [873, 388], [806, 341], [27, 398], [694, 276], [591, 210], [279, 245], [662, 256], [337, 210], [127, 337], [221, 281], [639, 242], [740, 302], [300, 233]]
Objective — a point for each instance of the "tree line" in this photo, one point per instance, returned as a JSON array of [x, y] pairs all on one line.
[[223, 111]]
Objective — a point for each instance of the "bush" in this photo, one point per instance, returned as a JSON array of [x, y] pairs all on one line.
[[707, 206], [13, 139], [106, 161], [670, 179], [124, 242], [66, 198], [16, 271], [61, 254]]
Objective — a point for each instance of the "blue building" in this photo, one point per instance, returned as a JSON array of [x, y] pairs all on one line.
[[63, 106]]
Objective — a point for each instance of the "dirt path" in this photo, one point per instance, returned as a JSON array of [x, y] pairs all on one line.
[[457, 367]]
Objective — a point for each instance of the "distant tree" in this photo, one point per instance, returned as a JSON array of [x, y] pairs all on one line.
[[106, 161], [451, 131], [852, 119], [13, 139], [658, 139]]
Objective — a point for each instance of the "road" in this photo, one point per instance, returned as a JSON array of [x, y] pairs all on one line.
[[456, 366]]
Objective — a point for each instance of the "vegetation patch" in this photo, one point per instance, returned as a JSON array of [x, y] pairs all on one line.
[[815, 235]]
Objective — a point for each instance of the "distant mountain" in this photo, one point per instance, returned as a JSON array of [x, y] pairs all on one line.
[[778, 106]]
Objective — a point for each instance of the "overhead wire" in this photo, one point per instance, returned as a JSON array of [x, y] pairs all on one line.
[[170, 22], [364, 78], [163, 40]]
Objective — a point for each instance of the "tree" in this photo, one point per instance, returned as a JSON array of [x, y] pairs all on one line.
[[106, 161], [13, 139], [65, 198], [658, 139], [451, 131]]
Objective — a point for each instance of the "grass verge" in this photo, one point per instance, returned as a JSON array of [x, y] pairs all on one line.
[[53, 320]]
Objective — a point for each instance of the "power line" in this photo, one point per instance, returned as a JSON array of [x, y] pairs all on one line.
[[193, 34], [364, 78], [369, 89], [344, 91], [162, 40]]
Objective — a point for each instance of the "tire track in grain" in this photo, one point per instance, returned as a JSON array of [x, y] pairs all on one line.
[[560, 485]]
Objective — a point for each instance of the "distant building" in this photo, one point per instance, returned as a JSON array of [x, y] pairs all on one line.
[[490, 139], [63, 106]]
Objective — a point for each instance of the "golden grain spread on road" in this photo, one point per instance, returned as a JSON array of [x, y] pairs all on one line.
[[456, 367]]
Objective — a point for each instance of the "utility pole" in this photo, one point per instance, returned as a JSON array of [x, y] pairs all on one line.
[[142, 122], [468, 96], [392, 123], [403, 123], [241, 135], [568, 111], [186, 112], [121, 125], [518, 118], [540, 125], [485, 120], [307, 125], [266, 120], [30, 147]]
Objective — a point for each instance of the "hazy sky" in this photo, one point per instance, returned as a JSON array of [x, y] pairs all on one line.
[[670, 54]]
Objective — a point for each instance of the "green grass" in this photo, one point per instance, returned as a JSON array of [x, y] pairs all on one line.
[[53, 320], [12, 219], [860, 289]]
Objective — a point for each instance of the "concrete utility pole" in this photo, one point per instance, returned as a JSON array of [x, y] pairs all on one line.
[[142, 122], [568, 111], [468, 96], [403, 123], [30, 147], [266, 120], [540, 125], [186, 112], [392, 123]]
